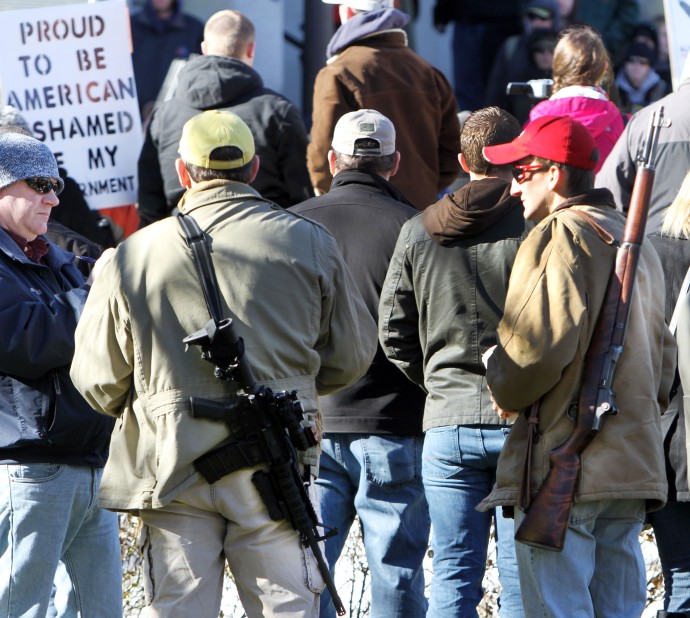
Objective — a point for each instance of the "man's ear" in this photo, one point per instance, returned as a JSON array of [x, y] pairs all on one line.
[[204, 47], [183, 174], [331, 162], [396, 164], [256, 164], [345, 13], [557, 180], [250, 51], [463, 163]]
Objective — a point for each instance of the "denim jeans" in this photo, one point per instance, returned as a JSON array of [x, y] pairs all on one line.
[[48, 516], [459, 470], [600, 571], [670, 525], [378, 478]]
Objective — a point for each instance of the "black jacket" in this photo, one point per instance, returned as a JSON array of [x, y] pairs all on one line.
[[215, 82], [43, 419], [364, 213]]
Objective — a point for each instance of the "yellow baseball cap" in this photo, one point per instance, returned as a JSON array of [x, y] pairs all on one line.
[[212, 129]]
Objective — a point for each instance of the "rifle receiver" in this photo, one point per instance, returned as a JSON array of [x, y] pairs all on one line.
[[656, 123]]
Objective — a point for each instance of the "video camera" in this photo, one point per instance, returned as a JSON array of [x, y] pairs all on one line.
[[539, 89]]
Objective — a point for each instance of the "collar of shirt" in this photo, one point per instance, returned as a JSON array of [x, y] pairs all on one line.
[[34, 249]]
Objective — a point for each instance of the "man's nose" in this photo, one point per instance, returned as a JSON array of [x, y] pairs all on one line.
[[515, 188]]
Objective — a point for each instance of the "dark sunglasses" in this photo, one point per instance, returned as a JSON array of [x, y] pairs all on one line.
[[520, 171], [44, 185]]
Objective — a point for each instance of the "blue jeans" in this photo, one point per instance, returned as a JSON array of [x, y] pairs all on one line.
[[459, 471], [670, 528], [378, 478], [48, 516], [600, 571]]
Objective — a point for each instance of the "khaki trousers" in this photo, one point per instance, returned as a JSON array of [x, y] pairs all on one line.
[[186, 543]]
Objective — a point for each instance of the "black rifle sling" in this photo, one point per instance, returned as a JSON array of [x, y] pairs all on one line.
[[204, 265], [238, 454]]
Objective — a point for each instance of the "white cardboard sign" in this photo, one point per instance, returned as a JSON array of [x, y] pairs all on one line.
[[68, 70]]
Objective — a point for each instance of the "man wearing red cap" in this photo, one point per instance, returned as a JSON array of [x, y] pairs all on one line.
[[556, 289]]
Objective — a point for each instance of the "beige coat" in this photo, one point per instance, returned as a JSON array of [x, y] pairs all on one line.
[[292, 299], [556, 289]]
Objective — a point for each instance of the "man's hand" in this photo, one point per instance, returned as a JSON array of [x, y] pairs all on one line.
[[509, 415]]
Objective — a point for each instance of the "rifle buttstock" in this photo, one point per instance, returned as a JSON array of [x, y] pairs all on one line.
[[546, 521]]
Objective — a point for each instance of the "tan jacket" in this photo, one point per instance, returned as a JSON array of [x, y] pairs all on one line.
[[556, 289], [292, 299]]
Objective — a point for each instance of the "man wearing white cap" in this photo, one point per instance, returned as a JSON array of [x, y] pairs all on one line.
[[370, 66], [282, 281], [371, 455]]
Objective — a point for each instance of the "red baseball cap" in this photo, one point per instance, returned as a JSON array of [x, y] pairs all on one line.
[[556, 138]]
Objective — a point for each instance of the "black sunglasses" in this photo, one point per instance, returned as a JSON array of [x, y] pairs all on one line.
[[44, 185]]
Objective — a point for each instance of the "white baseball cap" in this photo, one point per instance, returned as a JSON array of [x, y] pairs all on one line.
[[364, 124], [363, 5]]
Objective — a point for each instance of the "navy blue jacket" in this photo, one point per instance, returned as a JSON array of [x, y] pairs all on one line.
[[156, 43], [42, 416]]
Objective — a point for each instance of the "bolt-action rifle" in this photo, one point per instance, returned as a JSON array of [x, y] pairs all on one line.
[[546, 520]]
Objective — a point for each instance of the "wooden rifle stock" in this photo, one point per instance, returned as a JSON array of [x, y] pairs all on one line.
[[546, 520]]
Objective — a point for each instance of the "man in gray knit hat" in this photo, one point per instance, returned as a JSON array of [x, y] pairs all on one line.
[[52, 445]]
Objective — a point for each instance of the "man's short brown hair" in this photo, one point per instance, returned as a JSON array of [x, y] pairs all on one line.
[[223, 153], [489, 126]]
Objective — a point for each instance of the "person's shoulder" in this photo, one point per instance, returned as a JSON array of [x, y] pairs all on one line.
[[279, 102], [413, 231], [299, 215], [312, 204]]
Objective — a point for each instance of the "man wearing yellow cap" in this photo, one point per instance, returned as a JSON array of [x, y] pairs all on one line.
[[305, 328]]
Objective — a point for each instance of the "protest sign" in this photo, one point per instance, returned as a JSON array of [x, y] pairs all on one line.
[[68, 70], [678, 31]]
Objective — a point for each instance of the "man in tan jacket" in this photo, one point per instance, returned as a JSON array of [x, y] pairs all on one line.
[[305, 327], [556, 289]]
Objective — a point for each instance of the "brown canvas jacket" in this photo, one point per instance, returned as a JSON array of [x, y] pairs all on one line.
[[556, 290], [380, 72]]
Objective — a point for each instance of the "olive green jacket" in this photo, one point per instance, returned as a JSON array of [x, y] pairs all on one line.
[[292, 299]]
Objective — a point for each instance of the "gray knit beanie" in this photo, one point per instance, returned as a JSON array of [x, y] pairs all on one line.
[[23, 157]]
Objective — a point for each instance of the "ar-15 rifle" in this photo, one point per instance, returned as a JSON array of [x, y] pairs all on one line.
[[271, 425], [546, 521], [265, 427]]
